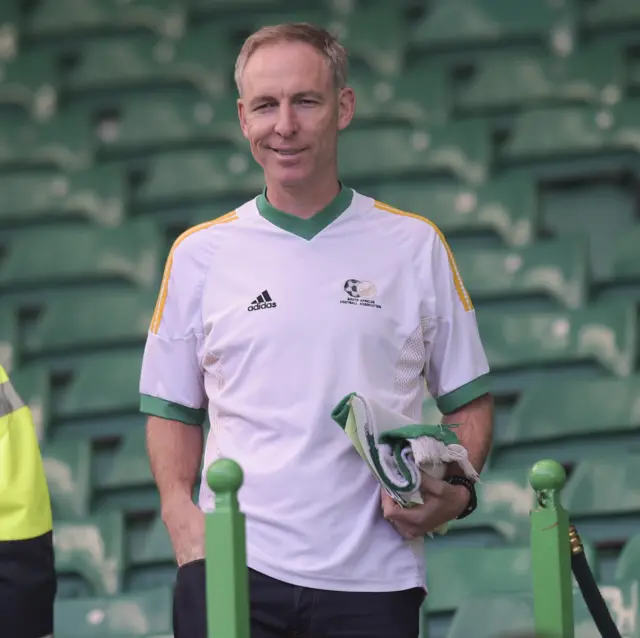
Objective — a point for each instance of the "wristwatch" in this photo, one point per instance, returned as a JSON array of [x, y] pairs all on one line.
[[473, 499]]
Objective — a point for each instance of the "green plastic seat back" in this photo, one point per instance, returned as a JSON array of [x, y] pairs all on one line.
[[134, 614], [627, 259], [33, 384], [93, 548], [628, 563], [8, 337], [154, 546], [67, 465], [128, 465]]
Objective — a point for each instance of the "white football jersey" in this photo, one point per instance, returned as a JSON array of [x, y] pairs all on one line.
[[266, 321]]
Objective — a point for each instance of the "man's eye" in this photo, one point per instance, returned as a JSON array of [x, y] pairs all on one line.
[[263, 106], [307, 102]]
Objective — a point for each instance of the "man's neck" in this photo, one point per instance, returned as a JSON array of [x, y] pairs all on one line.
[[303, 201]]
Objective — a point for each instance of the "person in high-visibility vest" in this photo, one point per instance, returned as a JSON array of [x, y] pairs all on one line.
[[27, 571]]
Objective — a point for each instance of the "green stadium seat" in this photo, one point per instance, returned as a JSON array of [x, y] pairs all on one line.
[[606, 333], [132, 253], [93, 549], [64, 18], [461, 149], [418, 95], [605, 486], [154, 546], [512, 614], [581, 418], [97, 193], [157, 121], [607, 14], [67, 465], [628, 563], [200, 6], [457, 573], [8, 338], [505, 500], [93, 319], [134, 614], [627, 258], [181, 177], [555, 269], [593, 75], [467, 23], [64, 141], [104, 383], [33, 384], [506, 206], [129, 464], [31, 81], [140, 61]]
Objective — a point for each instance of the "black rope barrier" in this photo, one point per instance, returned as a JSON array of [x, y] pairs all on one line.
[[589, 588]]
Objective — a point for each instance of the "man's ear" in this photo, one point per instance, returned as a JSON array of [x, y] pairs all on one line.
[[346, 107], [242, 116]]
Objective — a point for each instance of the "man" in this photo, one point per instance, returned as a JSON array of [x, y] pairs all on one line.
[[27, 569], [266, 318]]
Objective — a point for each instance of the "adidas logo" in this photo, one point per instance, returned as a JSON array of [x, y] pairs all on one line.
[[262, 301]]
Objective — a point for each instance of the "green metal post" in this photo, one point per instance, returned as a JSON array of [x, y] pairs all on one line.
[[551, 554], [226, 566]]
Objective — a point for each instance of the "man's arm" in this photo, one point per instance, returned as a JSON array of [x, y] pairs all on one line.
[[175, 453], [475, 431]]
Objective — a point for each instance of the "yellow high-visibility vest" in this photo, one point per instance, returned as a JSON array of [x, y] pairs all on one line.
[[25, 505]]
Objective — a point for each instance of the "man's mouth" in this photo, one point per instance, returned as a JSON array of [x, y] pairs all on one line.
[[287, 152]]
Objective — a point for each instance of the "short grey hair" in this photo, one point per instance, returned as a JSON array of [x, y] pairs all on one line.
[[319, 38]]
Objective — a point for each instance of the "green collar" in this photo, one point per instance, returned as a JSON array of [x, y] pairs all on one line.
[[306, 228]]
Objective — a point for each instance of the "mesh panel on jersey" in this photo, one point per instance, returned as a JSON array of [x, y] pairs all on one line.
[[409, 379]]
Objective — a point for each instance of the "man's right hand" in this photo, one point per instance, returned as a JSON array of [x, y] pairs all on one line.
[[185, 523]]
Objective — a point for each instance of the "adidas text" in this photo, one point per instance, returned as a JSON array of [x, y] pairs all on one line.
[[262, 306]]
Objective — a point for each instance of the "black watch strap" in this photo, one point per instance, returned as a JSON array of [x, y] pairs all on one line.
[[468, 483]]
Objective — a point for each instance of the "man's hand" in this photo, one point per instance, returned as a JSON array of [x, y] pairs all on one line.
[[443, 502], [185, 523]]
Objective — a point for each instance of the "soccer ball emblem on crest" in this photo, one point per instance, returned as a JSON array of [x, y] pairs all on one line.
[[359, 289]]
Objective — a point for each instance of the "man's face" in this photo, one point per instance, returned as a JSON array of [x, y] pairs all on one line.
[[291, 112]]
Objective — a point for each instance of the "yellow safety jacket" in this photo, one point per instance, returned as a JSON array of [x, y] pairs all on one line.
[[25, 505]]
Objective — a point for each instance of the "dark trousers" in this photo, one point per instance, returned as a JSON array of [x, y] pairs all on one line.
[[27, 587], [280, 610]]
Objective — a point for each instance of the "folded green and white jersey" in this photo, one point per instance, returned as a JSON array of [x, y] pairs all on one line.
[[398, 450]]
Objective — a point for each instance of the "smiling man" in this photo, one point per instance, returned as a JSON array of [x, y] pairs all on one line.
[[266, 318]]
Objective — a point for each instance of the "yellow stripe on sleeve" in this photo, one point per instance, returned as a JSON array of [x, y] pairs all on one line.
[[465, 299], [162, 295]]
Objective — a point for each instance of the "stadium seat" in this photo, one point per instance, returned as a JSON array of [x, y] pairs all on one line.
[[606, 334], [628, 563], [126, 615], [96, 194], [94, 549], [31, 81], [148, 123], [467, 23], [154, 546], [132, 254], [104, 383], [67, 465], [129, 464], [185, 177], [593, 75], [512, 614], [90, 320], [461, 150], [627, 258], [68, 18], [505, 206], [604, 486], [33, 384], [555, 270], [64, 142], [610, 14]]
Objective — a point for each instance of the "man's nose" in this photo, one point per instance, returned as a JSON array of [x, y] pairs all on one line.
[[286, 125]]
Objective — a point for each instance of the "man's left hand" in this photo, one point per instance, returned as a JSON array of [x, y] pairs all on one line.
[[443, 502]]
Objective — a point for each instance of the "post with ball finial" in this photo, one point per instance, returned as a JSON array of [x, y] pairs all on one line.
[[226, 567], [550, 553]]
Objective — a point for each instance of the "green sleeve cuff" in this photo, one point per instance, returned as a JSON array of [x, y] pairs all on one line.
[[154, 406], [455, 399]]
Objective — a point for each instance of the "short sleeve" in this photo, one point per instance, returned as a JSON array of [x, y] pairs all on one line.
[[456, 368], [172, 377]]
